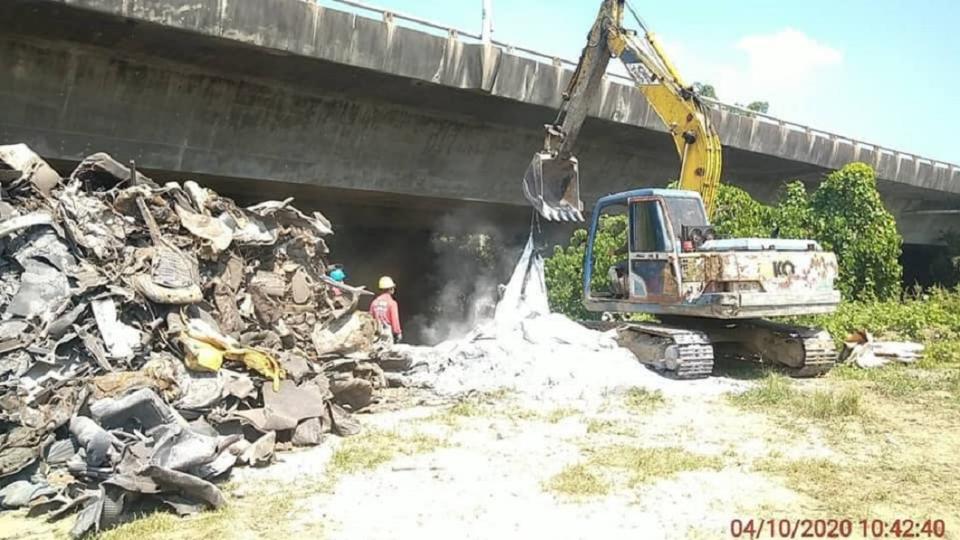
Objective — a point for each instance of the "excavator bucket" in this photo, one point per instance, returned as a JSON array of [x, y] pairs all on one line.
[[552, 186]]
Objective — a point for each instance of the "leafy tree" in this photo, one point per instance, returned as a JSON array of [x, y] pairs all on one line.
[[849, 218], [792, 217], [738, 215], [705, 90], [708, 90], [564, 270], [759, 106]]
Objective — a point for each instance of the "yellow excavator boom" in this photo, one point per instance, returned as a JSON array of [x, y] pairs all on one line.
[[552, 183]]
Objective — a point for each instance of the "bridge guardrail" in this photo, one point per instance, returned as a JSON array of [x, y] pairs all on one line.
[[390, 16]]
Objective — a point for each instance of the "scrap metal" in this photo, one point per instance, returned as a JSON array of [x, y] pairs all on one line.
[[154, 336]]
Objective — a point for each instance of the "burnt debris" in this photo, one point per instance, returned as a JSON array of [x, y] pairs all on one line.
[[152, 337]]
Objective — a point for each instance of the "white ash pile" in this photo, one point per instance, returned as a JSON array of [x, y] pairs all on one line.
[[526, 348], [152, 337]]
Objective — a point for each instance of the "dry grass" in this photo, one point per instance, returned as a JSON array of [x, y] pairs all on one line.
[[646, 465], [578, 481], [902, 488], [906, 383], [641, 400], [482, 404], [373, 448], [776, 393], [607, 468], [599, 426], [270, 511], [559, 414], [895, 431]]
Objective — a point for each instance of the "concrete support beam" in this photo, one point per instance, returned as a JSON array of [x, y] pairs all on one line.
[[290, 92]]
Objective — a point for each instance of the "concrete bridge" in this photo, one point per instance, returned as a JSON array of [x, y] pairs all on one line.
[[394, 124]]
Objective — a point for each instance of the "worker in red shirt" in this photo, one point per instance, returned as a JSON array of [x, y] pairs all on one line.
[[384, 309]]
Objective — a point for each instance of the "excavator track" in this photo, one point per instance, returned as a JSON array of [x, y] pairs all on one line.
[[798, 351], [677, 352], [819, 352], [685, 348]]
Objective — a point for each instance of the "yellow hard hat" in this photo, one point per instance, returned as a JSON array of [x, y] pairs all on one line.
[[386, 282]]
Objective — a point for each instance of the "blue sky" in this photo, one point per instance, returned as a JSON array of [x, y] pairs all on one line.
[[881, 71]]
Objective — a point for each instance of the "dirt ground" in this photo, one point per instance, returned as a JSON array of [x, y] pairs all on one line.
[[670, 460]]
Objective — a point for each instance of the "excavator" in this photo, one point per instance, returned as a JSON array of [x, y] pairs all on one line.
[[710, 295]]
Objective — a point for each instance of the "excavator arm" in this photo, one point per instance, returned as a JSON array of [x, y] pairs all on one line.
[[552, 183]]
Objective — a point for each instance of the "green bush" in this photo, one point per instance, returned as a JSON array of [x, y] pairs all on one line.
[[849, 218], [564, 270], [793, 217], [922, 317], [845, 214], [738, 215], [941, 353], [931, 318]]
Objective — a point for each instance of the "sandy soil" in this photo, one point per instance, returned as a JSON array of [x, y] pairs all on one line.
[[489, 473], [488, 482]]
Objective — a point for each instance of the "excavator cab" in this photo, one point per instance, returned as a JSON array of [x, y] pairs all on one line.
[[647, 267], [671, 263]]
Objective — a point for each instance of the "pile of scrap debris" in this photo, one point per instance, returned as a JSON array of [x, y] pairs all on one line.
[[154, 336], [863, 350]]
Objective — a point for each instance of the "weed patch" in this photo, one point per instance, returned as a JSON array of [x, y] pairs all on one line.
[[373, 448], [927, 488], [559, 414], [643, 400], [645, 465], [905, 383], [466, 408], [776, 393], [609, 427], [240, 515], [578, 481]]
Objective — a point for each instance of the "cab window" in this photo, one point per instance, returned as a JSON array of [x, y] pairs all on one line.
[[648, 228]]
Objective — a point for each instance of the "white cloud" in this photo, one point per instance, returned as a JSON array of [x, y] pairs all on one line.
[[786, 58], [787, 68]]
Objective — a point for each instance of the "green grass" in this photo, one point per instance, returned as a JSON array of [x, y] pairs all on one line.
[[941, 353], [742, 370], [372, 448], [578, 481], [240, 515], [610, 427], [559, 414], [890, 381], [480, 404], [924, 317], [896, 458], [470, 407], [772, 391], [645, 465], [466, 408], [642, 400], [904, 383], [161, 524], [922, 486], [608, 466], [776, 393], [824, 405]]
